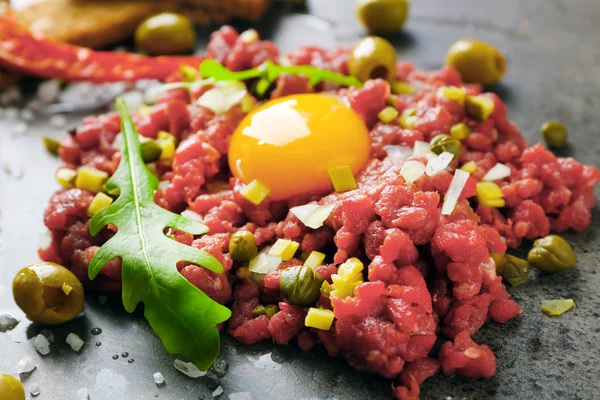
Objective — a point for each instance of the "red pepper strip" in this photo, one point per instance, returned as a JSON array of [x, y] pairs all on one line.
[[23, 52]]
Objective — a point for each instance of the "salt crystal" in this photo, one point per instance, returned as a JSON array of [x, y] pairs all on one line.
[[188, 369], [25, 366], [159, 379], [42, 345], [58, 121], [240, 396], [27, 114], [220, 367], [82, 394], [34, 390], [20, 128], [11, 113], [48, 91], [8, 322], [218, 391], [74, 341], [11, 95]]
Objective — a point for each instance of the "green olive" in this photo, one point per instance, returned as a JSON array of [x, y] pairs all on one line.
[[11, 388], [242, 246], [476, 61], [151, 150], [48, 293], [373, 57], [555, 134], [382, 16], [300, 285], [552, 253], [515, 270], [165, 33], [443, 142]]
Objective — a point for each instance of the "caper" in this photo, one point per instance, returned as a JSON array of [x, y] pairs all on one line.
[[373, 57], [242, 246], [476, 61], [11, 388], [300, 285], [268, 310], [443, 142], [151, 150], [382, 16], [165, 33], [515, 270], [48, 293], [552, 253], [555, 134]]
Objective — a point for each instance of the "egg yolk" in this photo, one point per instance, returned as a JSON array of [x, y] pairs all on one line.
[[290, 143]]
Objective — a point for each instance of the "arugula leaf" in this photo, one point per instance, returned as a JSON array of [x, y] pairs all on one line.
[[182, 316], [269, 71]]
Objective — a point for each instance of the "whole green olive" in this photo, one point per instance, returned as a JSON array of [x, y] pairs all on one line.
[[554, 133], [373, 57], [300, 285], [476, 61], [443, 142], [382, 16], [514, 270], [242, 246], [165, 33], [11, 388], [552, 253], [48, 293]]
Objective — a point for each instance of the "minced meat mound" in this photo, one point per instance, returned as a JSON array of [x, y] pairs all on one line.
[[430, 276]]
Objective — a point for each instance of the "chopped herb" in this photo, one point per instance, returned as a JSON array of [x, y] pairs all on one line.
[[268, 72], [182, 316]]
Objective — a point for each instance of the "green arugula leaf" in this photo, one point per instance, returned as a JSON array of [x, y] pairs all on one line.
[[182, 316], [269, 71]]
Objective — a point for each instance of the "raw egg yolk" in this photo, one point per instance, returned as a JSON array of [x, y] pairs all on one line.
[[290, 143]]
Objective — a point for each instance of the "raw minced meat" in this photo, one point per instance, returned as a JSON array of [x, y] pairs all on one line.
[[428, 276]]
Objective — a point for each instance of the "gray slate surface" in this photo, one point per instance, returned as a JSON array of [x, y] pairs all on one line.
[[553, 49]]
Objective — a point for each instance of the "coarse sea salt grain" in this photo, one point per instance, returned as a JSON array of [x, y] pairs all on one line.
[[58, 121], [8, 322], [159, 379], [25, 365], [218, 391], [11, 113], [240, 396], [34, 390], [48, 91], [20, 128], [188, 369], [74, 341], [82, 394], [27, 114], [42, 345]]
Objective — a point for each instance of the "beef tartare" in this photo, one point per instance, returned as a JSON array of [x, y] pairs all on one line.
[[398, 257]]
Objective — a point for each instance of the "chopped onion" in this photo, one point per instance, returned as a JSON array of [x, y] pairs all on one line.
[[45, 240], [193, 215], [82, 394], [498, 171], [421, 149], [223, 96], [264, 262], [438, 164], [412, 170], [313, 215], [187, 368], [456, 187], [402, 152]]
